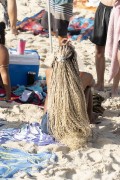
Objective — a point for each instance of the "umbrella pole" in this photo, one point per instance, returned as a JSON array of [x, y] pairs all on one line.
[[49, 25]]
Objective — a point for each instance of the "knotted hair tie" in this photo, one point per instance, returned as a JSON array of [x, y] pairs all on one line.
[[63, 54], [61, 58]]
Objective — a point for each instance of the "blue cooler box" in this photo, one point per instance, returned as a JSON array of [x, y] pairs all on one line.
[[20, 65]]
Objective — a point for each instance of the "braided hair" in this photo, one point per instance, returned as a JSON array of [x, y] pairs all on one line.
[[2, 33], [67, 113]]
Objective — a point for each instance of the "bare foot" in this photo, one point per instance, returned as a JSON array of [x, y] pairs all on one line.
[[14, 31], [114, 93], [99, 87]]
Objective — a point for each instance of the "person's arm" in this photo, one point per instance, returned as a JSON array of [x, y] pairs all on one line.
[[114, 1], [12, 12], [6, 81], [4, 71]]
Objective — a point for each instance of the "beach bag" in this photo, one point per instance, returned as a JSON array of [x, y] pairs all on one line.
[[62, 2]]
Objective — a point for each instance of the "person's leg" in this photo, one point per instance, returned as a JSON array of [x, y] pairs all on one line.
[[116, 78], [62, 26], [98, 37], [48, 74], [4, 71], [100, 67], [6, 81], [115, 84], [12, 12]]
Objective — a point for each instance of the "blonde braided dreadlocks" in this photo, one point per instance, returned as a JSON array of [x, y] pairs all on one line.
[[68, 119]]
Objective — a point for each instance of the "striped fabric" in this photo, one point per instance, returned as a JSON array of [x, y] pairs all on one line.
[[62, 12]]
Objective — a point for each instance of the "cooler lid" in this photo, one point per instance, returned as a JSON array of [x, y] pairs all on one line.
[[30, 57]]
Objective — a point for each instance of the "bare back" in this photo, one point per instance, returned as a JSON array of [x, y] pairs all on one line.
[[108, 2]]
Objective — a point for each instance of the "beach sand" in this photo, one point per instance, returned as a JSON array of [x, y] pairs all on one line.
[[99, 160]]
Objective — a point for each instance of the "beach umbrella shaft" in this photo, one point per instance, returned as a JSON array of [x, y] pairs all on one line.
[[49, 25]]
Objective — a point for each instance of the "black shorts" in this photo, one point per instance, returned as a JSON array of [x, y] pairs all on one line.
[[101, 22], [58, 26]]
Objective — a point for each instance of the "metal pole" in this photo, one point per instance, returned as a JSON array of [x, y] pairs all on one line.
[[49, 24]]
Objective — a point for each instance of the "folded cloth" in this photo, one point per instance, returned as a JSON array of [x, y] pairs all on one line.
[[19, 90], [28, 132], [113, 37]]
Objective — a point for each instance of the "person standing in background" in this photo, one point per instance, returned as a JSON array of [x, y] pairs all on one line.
[[112, 49], [10, 14], [60, 12], [98, 37]]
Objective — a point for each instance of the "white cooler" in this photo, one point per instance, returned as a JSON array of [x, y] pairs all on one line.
[[20, 65]]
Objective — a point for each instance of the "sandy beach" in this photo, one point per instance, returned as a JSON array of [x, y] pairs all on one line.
[[99, 160]]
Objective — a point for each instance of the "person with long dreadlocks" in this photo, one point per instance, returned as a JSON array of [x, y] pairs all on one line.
[[87, 82], [60, 12], [4, 63], [67, 117]]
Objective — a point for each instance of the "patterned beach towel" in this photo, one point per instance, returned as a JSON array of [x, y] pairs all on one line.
[[13, 161], [32, 24], [28, 132], [80, 28]]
